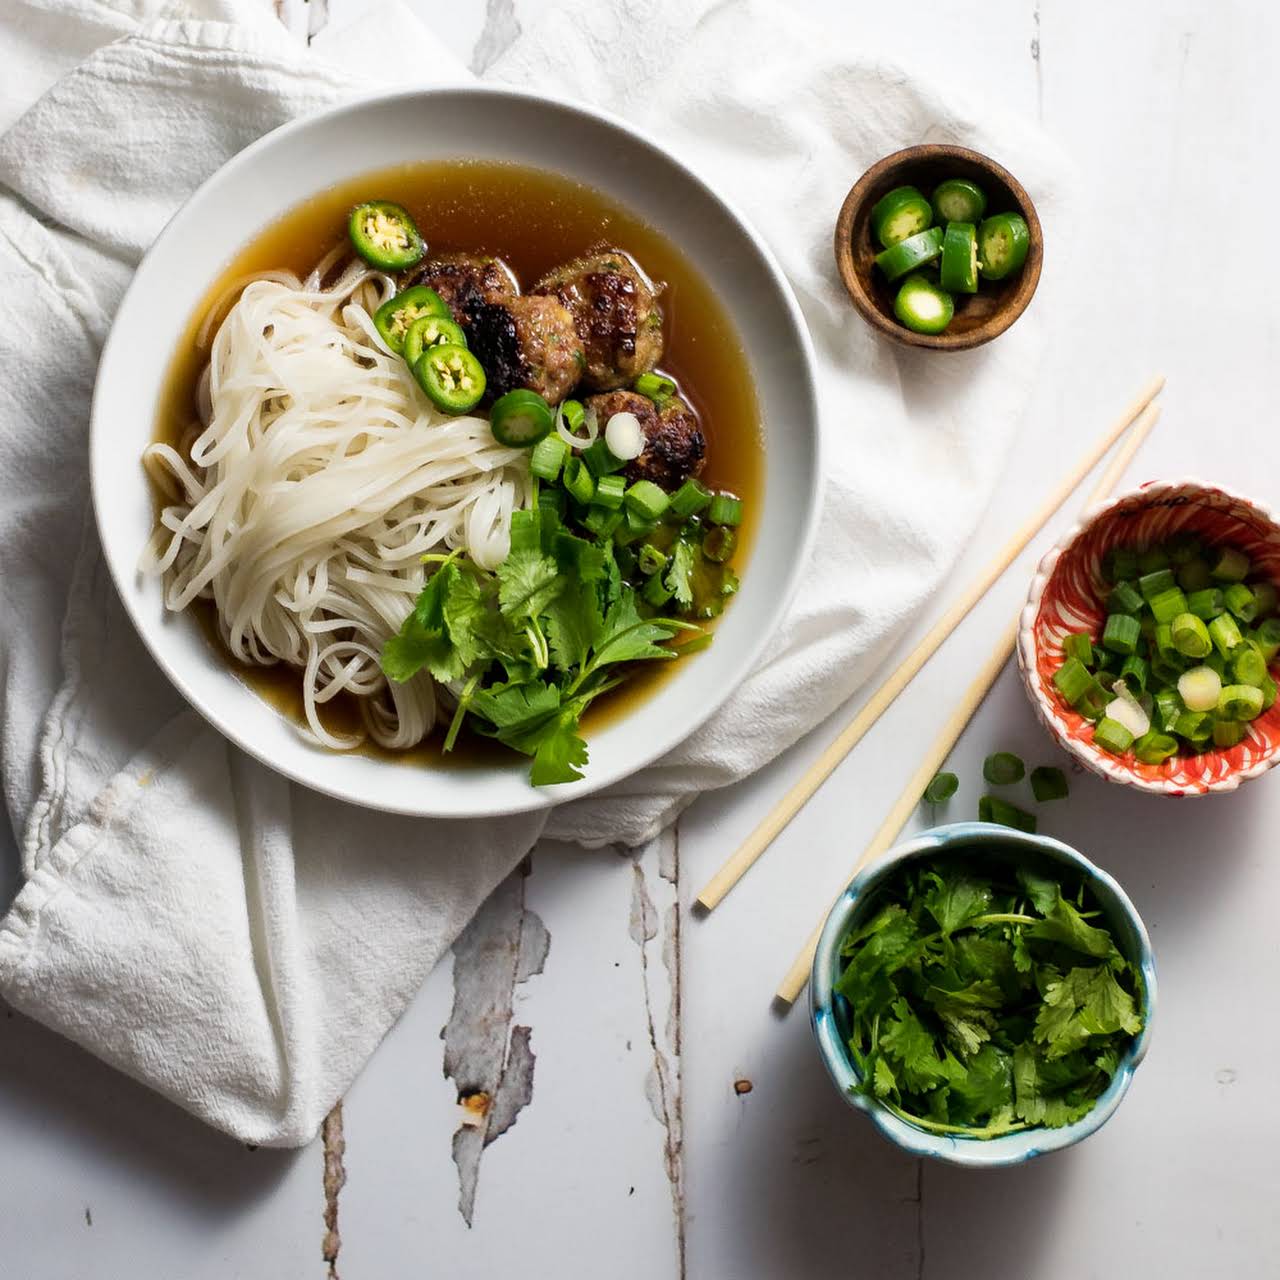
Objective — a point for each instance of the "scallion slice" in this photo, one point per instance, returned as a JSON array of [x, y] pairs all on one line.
[[655, 386], [610, 491], [1120, 563], [1003, 769], [1231, 566], [1168, 604], [1112, 736], [941, 788], [1194, 575], [1227, 733], [1199, 688], [1154, 584], [1134, 671], [1225, 634], [1206, 604], [1267, 637], [1151, 559], [548, 457], [647, 500], [1049, 783], [1155, 748], [1121, 634], [1239, 702], [1168, 707], [725, 509], [1194, 726], [993, 809], [1241, 601], [656, 592], [1248, 666], [1190, 636], [1124, 598], [1079, 645], [1265, 599], [651, 560], [578, 481], [690, 498], [719, 544]]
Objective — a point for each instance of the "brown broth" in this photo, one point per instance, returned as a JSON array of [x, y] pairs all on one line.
[[534, 220]]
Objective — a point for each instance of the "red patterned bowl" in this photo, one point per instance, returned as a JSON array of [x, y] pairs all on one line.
[[1067, 594]]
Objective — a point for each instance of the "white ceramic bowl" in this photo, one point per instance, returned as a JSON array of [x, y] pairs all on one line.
[[304, 158]]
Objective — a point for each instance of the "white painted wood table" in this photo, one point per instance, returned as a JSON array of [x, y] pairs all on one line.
[[666, 1122]]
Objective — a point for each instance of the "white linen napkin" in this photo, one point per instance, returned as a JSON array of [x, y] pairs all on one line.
[[234, 941]]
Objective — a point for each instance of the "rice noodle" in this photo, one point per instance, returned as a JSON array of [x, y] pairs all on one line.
[[318, 478]]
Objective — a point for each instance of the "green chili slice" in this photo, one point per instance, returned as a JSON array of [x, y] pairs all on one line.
[[959, 266], [922, 306], [383, 234], [899, 215], [1003, 241], [908, 254], [393, 318], [430, 331], [451, 376], [958, 200], [520, 419]]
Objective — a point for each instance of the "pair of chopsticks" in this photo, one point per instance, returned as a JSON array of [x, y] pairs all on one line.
[[1141, 414]]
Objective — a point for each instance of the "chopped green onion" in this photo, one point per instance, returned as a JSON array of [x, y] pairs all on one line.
[[651, 560], [1232, 565], [1121, 633], [1112, 736], [1194, 575], [655, 386], [993, 809], [719, 544], [578, 481], [1267, 637], [547, 457], [1194, 726], [574, 415], [1265, 599], [942, 787], [1134, 669], [610, 490], [1216, 662], [1183, 547], [1157, 583], [1003, 769], [1248, 666], [1165, 648], [656, 592], [1079, 645], [690, 498], [1155, 748], [552, 500], [1199, 688], [1206, 604], [1240, 702], [1168, 707], [1049, 783], [1073, 680], [725, 509], [1241, 601], [1225, 634], [600, 459], [1151, 559], [1190, 636], [1119, 563], [1268, 694], [647, 500], [1124, 598], [1227, 733], [1168, 604]]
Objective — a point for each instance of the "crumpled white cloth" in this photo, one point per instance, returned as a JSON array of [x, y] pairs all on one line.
[[238, 943]]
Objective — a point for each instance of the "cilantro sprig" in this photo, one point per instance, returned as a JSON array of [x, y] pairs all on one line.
[[528, 647], [982, 1003]]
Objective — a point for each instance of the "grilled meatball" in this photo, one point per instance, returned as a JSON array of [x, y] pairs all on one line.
[[465, 279], [525, 342], [617, 317], [674, 446]]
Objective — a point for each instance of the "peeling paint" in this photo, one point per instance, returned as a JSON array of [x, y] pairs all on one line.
[[663, 1085], [489, 1060], [335, 1177]]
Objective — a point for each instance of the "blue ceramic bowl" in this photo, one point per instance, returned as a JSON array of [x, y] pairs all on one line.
[[830, 1012]]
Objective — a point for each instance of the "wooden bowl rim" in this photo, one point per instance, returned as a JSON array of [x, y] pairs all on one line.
[[1028, 280]]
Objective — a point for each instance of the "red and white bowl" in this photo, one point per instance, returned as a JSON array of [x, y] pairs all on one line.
[[1068, 594]]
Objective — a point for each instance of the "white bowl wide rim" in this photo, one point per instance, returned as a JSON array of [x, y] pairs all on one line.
[[683, 703], [1094, 758], [1009, 1149]]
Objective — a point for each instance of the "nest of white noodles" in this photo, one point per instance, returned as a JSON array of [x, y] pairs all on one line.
[[318, 477]]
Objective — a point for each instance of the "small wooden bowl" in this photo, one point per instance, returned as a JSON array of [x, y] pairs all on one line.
[[979, 316]]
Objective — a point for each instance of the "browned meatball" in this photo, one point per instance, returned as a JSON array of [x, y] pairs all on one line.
[[617, 317], [465, 279], [674, 446], [525, 342]]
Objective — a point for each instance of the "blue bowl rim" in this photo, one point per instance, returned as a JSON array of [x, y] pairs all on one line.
[[1014, 1148]]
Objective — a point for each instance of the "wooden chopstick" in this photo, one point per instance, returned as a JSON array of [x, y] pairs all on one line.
[[798, 975], [798, 796]]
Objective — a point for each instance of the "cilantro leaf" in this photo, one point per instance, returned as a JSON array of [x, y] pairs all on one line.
[[560, 754], [1085, 1002], [626, 637], [422, 640], [889, 942], [953, 901], [528, 580], [985, 1087], [467, 618], [679, 574], [904, 1038], [1042, 891], [514, 705], [1063, 924], [573, 625]]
